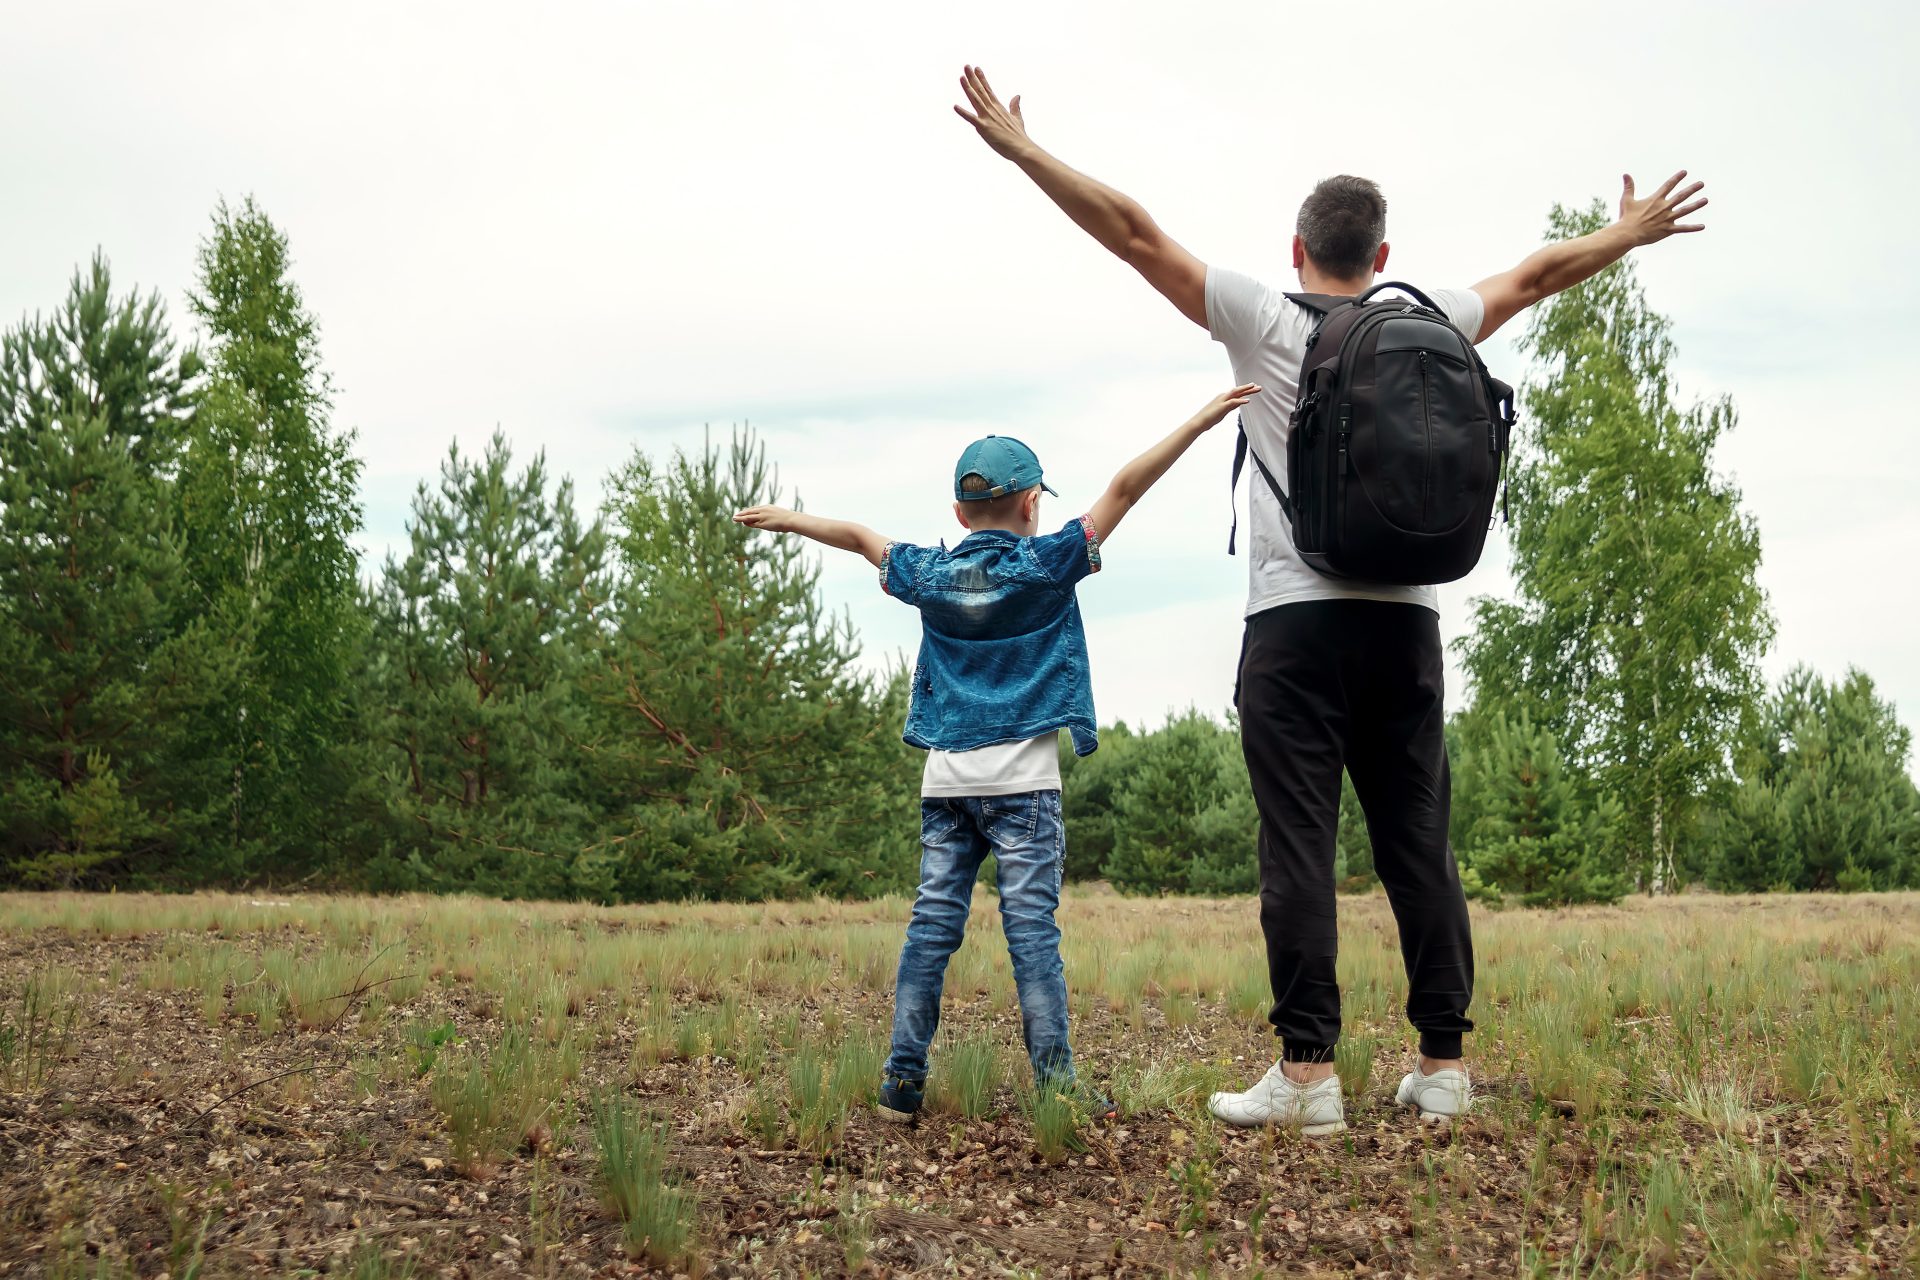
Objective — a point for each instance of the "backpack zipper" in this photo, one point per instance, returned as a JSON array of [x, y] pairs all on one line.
[[1339, 512], [1426, 426]]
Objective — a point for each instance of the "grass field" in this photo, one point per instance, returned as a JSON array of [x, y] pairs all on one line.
[[224, 1085]]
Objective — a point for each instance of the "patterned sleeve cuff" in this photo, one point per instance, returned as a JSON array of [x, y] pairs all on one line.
[[1093, 543], [886, 559]]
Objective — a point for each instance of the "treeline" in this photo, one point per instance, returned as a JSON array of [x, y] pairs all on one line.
[[200, 686], [197, 687], [1819, 798]]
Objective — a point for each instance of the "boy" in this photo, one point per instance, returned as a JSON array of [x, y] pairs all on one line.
[[1002, 669]]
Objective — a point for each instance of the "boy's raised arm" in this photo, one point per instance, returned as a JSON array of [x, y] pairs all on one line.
[[843, 534], [1115, 220], [1132, 481]]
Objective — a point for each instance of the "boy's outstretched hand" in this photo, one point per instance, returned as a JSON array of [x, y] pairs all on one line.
[[1138, 476], [1223, 404], [772, 519], [843, 534]]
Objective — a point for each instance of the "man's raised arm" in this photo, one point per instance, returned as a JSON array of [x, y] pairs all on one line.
[[1116, 221], [1565, 264]]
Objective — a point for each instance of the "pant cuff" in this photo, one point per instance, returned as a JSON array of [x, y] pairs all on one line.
[[1440, 1044], [1295, 1051]]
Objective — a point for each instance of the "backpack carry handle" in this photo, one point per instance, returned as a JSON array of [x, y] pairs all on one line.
[[1422, 298]]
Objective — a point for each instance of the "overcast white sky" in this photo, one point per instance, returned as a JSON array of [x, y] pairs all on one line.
[[602, 227]]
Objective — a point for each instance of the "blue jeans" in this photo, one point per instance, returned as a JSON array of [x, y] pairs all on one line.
[[1025, 834]]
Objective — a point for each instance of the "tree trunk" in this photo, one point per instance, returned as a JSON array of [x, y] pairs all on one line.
[[1661, 878]]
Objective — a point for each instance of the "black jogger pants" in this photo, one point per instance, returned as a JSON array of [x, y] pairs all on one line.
[[1326, 684]]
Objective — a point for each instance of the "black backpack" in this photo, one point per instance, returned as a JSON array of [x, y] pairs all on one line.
[[1398, 443]]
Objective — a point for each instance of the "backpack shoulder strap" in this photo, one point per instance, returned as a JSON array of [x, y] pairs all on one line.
[[1242, 450], [1325, 307], [1320, 302]]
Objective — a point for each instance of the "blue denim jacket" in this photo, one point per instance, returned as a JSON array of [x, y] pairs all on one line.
[[1003, 654]]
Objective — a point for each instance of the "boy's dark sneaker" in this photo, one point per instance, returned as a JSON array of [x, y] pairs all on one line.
[[900, 1099]]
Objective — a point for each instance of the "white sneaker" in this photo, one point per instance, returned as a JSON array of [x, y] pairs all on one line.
[[1315, 1109], [1444, 1096]]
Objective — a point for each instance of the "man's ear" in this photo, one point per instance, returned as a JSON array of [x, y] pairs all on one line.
[[960, 514], [1380, 258], [1299, 253]]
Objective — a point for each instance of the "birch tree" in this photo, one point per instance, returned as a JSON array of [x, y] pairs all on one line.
[[1639, 624]]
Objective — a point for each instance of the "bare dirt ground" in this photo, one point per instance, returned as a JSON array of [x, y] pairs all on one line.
[[1632, 1116]]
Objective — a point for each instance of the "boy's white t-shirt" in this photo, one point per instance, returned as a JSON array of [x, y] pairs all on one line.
[[1003, 769], [1265, 334]]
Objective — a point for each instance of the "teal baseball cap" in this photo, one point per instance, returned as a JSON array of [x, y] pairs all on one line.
[[1004, 463]]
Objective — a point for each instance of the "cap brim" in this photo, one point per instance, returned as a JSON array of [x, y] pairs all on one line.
[[1045, 487]]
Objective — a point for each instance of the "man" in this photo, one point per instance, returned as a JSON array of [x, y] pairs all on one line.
[[1333, 673]]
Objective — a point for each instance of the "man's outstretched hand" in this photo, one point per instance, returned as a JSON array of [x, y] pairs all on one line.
[[1003, 128], [1658, 216]]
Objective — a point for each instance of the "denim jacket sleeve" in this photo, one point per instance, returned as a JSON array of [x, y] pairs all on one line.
[[900, 571], [1071, 554]]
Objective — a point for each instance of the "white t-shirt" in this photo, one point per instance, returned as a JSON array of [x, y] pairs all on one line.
[[1003, 769], [1265, 334]]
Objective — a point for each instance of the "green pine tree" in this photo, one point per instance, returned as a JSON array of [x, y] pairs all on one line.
[[1172, 811], [269, 509], [1824, 799], [1639, 627], [743, 752], [1529, 831], [1748, 838], [475, 666], [1089, 786], [103, 663], [1183, 817]]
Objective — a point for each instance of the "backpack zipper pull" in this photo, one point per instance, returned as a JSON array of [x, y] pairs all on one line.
[[1346, 430]]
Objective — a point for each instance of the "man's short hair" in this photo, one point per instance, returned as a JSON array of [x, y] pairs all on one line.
[[998, 510], [1343, 224]]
